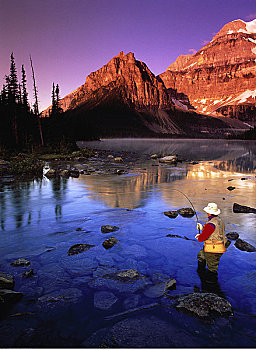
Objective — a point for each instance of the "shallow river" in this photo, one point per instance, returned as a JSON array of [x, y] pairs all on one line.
[[41, 220]]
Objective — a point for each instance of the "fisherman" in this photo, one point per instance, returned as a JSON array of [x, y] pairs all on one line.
[[213, 235]]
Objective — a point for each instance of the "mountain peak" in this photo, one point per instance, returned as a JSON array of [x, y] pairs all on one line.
[[237, 26]]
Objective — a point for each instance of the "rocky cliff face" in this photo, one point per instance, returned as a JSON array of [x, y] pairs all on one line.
[[220, 79], [139, 85], [124, 98]]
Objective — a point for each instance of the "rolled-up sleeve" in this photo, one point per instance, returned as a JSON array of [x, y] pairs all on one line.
[[207, 231]]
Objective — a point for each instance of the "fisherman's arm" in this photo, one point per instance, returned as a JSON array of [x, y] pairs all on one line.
[[207, 231]]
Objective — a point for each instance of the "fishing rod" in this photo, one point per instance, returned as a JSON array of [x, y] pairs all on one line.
[[197, 220]]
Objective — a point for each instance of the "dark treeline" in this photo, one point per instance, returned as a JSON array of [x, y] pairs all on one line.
[[22, 128]]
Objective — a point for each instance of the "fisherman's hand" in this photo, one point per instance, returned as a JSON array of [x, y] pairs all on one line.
[[196, 236], [199, 226]]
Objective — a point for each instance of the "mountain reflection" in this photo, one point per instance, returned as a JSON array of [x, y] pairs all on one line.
[[130, 191]]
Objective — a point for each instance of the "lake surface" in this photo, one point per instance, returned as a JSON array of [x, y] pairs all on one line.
[[41, 220]]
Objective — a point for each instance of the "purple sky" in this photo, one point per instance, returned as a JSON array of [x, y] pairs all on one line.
[[68, 39]]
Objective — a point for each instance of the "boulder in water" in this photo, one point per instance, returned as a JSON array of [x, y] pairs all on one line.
[[9, 296], [6, 281], [79, 248], [186, 212], [232, 235], [204, 305], [109, 243], [171, 214], [20, 262], [237, 208], [109, 228], [242, 245]]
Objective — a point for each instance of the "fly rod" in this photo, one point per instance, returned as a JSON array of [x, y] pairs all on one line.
[[174, 189]]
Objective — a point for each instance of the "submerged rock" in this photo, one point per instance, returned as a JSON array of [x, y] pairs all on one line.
[[109, 228], [68, 295], [177, 236], [146, 331], [231, 188], [9, 296], [204, 305], [171, 284], [242, 245], [237, 208], [6, 281], [232, 235], [171, 214], [124, 276], [20, 262], [104, 300], [186, 212], [79, 248], [28, 273], [109, 243]]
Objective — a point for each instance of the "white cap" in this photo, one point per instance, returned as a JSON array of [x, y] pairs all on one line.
[[212, 208]]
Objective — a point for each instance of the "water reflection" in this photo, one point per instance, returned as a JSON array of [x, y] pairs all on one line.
[[131, 191], [21, 202]]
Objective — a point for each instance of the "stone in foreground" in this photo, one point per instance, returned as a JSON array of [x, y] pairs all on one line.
[[237, 208], [79, 248], [171, 214], [28, 273], [242, 245], [6, 281], [204, 305], [124, 275], [9, 296], [20, 262], [104, 300], [109, 243], [186, 212], [109, 228]]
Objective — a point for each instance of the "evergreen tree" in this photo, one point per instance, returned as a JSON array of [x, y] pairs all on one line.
[[24, 89], [57, 100], [4, 97], [53, 111], [13, 80], [19, 99]]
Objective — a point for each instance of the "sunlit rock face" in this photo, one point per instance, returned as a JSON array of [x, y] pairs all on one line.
[[139, 84], [220, 78], [124, 98]]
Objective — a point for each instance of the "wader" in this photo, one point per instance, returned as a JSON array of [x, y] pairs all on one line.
[[212, 259]]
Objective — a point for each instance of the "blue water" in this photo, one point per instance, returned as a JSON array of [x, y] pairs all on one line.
[[41, 220]]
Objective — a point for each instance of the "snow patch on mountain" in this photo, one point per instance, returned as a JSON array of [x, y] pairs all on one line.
[[251, 26], [245, 95]]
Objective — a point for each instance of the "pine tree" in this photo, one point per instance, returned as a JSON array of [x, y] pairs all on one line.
[[57, 100], [24, 89], [19, 99], [4, 97], [53, 111], [13, 80]]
